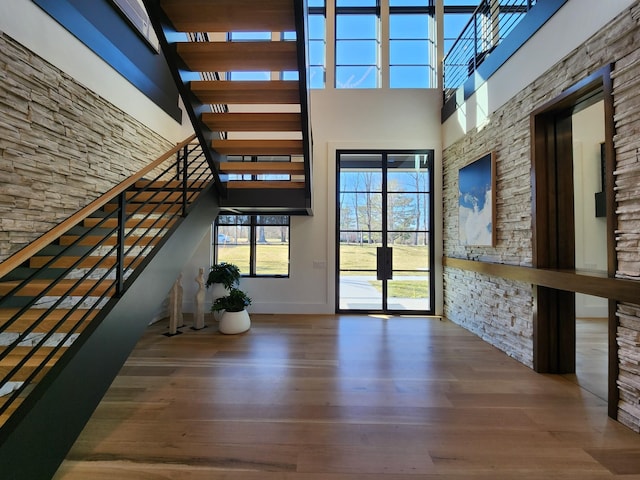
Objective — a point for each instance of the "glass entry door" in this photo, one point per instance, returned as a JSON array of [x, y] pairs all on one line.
[[384, 232]]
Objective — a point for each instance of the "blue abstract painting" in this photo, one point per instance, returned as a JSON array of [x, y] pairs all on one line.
[[475, 202]]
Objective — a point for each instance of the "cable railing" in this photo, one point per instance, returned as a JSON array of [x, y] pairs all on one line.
[[52, 294], [491, 22]]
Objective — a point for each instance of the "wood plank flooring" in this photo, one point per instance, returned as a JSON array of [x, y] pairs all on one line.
[[344, 398]]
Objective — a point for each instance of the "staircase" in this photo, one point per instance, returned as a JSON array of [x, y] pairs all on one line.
[[70, 311], [255, 133]]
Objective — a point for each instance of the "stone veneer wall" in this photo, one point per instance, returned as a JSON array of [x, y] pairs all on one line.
[[61, 146], [501, 311]]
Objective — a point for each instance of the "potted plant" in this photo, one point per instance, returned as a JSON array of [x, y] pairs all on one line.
[[235, 318], [226, 274], [222, 277]]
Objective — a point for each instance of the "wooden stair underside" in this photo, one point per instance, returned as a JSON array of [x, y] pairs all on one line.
[[261, 168], [239, 56], [230, 15], [244, 106], [248, 92], [258, 147], [252, 122]]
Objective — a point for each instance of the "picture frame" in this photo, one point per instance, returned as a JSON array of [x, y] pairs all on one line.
[[476, 202]]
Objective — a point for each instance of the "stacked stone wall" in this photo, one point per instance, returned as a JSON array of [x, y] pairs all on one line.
[[501, 311], [61, 146]]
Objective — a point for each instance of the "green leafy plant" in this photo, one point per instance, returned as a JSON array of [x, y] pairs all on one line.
[[227, 274], [236, 301]]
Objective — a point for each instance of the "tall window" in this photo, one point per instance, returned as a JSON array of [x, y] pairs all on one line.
[[317, 43], [357, 44], [410, 46], [257, 244]]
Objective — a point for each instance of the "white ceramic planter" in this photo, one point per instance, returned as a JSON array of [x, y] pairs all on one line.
[[218, 290], [234, 322]]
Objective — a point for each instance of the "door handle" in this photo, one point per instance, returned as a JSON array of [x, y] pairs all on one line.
[[384, 263]]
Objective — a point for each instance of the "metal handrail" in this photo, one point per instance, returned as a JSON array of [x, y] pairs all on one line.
[[151, 219], [490, 24]]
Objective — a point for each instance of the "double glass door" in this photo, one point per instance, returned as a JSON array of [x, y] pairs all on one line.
[[384, 232]]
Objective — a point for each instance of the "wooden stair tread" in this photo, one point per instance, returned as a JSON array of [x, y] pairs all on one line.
[[156, 208], [92, 240], [67, 261], [253, 122], [63, 287], [268, 184], [49, 320], [153, 196], [256, 168], [258, 147], [247, 92], [230, 15], [239, 56], [170, 184], [131, 223], [10, 409]]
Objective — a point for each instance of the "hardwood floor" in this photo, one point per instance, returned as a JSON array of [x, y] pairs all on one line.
[[344, 398], [591, 356]]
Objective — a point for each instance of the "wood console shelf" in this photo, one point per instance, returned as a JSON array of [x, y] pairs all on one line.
[[590, 283]]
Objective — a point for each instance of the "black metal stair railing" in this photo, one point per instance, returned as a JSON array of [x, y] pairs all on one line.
[[56, 295], [489, 24]]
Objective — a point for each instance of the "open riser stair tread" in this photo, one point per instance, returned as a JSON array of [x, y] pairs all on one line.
[[249, 92], [71, 287], [268, 184], [195, 185], [258, 147], [257, 168], [253, 122], [131, 223], [231, 119], [230, 15], [108, 241], [79, 262], [156, 208], [239, 56], [46, 320]]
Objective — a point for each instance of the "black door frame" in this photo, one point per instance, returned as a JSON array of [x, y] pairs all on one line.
[[431, 225]]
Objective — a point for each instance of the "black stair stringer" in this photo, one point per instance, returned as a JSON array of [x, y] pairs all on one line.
[[37, 437]]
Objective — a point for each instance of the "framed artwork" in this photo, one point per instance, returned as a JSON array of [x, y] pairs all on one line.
[[476, 202]]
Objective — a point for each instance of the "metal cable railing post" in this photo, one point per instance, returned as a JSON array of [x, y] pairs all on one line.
[[185, 153], [475, 43], [122, 221]]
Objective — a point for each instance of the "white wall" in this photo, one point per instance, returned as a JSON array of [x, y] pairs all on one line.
[[371, 119], [368, 119], [591, 231], [26, 23], [571, 26]]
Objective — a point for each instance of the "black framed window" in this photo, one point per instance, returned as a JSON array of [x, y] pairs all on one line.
[[257, 244], [357, 44], [411, 44]]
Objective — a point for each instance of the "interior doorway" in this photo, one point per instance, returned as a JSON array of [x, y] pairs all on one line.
[[561, 236], [588, 135], [384, 232]]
